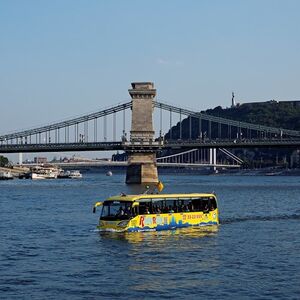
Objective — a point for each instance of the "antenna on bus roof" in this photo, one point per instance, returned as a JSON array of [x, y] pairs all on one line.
[[147, 189]]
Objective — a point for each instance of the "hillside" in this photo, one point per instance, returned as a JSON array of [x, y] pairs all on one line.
[[276, 114], [271, 113]]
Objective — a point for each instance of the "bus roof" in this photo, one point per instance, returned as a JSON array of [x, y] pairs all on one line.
[[133, 198]]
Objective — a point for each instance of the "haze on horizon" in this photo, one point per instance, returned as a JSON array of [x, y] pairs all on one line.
[[60, 59]]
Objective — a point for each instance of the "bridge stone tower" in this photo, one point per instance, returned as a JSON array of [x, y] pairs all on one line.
[[142, 163]]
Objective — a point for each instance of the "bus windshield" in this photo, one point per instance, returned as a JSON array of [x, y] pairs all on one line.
[[116, 210]]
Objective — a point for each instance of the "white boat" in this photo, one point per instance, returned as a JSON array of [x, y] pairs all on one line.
[[64, 175], [75, 174], [37, 176], [109, 173], [6, 175], [44, 173]]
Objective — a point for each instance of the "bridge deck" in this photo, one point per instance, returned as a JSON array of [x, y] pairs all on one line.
[[140, 147]]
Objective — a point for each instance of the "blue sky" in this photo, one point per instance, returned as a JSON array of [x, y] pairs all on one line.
[[61, 58]]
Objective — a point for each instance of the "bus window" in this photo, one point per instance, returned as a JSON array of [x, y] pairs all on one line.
[[151, 206], [116, 210], [197, 204], [171, 206], [157, 207], [204, 204], [185, 205], [175, 205], [212, 204], [144, 208]]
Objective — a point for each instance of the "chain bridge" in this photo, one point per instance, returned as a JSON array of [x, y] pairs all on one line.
[[155, 126]]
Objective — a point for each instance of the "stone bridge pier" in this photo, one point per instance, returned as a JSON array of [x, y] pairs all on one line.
[[142, 163]]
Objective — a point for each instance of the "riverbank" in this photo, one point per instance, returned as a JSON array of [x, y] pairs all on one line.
[[16, 171]]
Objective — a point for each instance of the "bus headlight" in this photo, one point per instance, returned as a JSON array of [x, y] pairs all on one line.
[[123, 223]]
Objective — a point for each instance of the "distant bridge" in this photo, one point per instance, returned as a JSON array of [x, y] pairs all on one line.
[[125, 164], [194, 158]]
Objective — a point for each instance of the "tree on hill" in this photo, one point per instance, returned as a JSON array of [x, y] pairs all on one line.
[[3, 161], [275, 114]]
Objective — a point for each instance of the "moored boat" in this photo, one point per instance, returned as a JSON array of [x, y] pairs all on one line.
[[69, 175], [26, 175], [75, 174], [6, 175], [44, 173], [150, 212], [63, 175]]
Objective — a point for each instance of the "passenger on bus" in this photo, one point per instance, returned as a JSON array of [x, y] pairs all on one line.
[[156, 209], [205, 210], [127, 211], [120, 211], [185, 208]]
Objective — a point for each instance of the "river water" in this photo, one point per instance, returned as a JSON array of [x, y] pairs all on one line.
[[50, 248]]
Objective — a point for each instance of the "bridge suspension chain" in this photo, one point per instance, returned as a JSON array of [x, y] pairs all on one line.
[[67, 123]]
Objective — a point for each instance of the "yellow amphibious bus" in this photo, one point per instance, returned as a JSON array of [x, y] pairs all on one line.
[[149, 212]]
